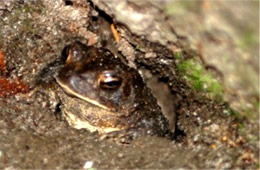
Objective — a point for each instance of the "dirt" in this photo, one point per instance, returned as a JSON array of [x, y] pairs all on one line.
[[209, 133]]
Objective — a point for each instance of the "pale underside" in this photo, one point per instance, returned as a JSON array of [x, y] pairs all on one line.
[[77, 123]]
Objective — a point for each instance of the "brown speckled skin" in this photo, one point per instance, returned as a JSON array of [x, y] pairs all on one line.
[[130, 107]]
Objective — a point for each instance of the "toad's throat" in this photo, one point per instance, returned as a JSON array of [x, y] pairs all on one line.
[[73, 93], [77, 123]]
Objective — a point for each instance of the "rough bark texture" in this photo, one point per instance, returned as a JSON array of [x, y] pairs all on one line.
[[204, 53]]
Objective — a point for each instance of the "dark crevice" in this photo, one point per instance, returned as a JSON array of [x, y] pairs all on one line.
[[68, 2], [101, 13]]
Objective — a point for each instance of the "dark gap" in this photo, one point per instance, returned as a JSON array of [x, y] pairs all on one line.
[[94, 18], [68, 2], [101, 13], [179, 135], [57, 112], [27, 147], [163, 79], [64, 54]]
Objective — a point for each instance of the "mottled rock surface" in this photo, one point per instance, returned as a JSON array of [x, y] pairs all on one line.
[[209, 134]]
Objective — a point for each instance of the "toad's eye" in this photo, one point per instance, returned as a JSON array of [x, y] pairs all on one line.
[[108, 80]]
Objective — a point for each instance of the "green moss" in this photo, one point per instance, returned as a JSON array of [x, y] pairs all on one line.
[[241, 127], [181, 7], [37, 8], [177, 7], [178, 55], [22, 17], [198, 77], [248, 39], [91, 168], [252, 113]]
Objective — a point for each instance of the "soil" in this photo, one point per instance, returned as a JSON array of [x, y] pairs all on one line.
[[208, 134]]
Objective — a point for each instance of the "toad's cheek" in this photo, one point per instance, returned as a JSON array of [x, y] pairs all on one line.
[[75, 87]]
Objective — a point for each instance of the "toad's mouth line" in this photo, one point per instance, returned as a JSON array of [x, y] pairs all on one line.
[[71, 92]]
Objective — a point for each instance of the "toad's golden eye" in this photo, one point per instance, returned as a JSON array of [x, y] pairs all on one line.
[[108, 80]]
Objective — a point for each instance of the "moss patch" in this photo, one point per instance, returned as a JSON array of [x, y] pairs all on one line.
[[252, 112], [248, 39], [198, 78], [180, 7], [22, 18]]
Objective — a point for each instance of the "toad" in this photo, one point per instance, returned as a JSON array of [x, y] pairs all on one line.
[[100, 93]]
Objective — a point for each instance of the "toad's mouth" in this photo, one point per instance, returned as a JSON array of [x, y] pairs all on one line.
[[78, 95]]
